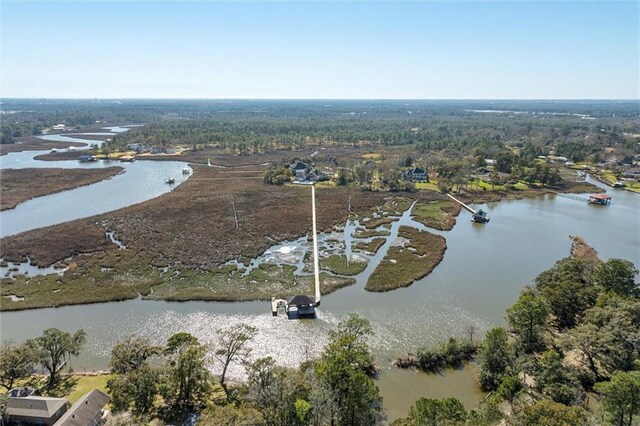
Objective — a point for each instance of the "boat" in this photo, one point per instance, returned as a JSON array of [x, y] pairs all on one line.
[[480, 217], [185, 171], [170, 180]]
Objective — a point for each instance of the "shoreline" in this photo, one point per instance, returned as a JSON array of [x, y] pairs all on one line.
[[90, 179], [33, 143], [181, 296]]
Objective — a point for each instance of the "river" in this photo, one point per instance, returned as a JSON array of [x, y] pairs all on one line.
[[141, 181], [482, 272]]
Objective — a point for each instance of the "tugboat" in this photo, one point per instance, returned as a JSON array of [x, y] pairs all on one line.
[[480, 217]]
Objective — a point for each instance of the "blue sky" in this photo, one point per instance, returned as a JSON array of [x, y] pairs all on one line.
[[413, 50]]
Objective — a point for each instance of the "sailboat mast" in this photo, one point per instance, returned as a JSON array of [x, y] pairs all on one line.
[[316, 268]]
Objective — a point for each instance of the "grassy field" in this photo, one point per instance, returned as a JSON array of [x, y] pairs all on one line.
[[427, 186], [70, 386], [88, 383], [19, 185], [438, 214], [403, 265]]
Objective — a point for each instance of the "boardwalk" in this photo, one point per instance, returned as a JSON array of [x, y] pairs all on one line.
[[461, 203], [570, 196]]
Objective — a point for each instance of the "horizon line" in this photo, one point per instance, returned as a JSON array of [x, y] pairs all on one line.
[[310, 99]]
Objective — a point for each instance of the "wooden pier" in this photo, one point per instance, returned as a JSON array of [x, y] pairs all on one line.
[[598, 199], [570, 196], [302, 306], [462, 204], [479, 216]]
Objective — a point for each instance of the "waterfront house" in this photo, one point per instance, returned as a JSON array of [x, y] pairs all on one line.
[[415, 174], [632, 173], [300, 171], [158, 149], [35, 410], [87, 411]]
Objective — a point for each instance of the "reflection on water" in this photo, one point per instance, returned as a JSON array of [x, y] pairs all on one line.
[[402, 388]]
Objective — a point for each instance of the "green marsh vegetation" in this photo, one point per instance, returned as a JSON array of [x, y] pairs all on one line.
[[402, 265]]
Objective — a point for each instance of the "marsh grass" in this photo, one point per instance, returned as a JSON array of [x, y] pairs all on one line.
[[439, 214], [403, 265], [337, 264], [372, 246]]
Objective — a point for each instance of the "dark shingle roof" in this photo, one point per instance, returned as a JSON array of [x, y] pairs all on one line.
[[299, 165], [301, 300], [85, 410], [35, 406]]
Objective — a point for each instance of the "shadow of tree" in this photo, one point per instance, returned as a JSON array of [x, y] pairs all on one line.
[[61, 388]]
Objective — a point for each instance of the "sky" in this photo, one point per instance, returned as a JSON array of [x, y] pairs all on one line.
[[330, 50]]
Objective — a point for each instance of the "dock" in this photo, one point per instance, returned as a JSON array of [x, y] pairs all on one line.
[[462, 204], [598, 199], [479, 216], [303, 306]]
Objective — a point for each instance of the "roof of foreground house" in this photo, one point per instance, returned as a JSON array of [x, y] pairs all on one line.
[[35, 406], [84, 410]]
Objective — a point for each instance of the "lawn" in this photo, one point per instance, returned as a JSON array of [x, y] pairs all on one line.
[[429, 186], [70, 386], [86, 384]]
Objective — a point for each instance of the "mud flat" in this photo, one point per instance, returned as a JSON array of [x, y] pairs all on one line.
[[20, 185]]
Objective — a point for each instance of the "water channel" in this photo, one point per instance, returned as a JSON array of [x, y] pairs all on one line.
[[483, 270], [141, 181]]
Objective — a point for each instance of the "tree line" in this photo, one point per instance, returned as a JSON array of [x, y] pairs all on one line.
[[575, 332]]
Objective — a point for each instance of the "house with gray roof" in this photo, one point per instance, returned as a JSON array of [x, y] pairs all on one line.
[[37, 410], [87, 411]]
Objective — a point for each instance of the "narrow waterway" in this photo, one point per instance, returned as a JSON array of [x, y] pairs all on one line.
[[141, 181], [484, 268]]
